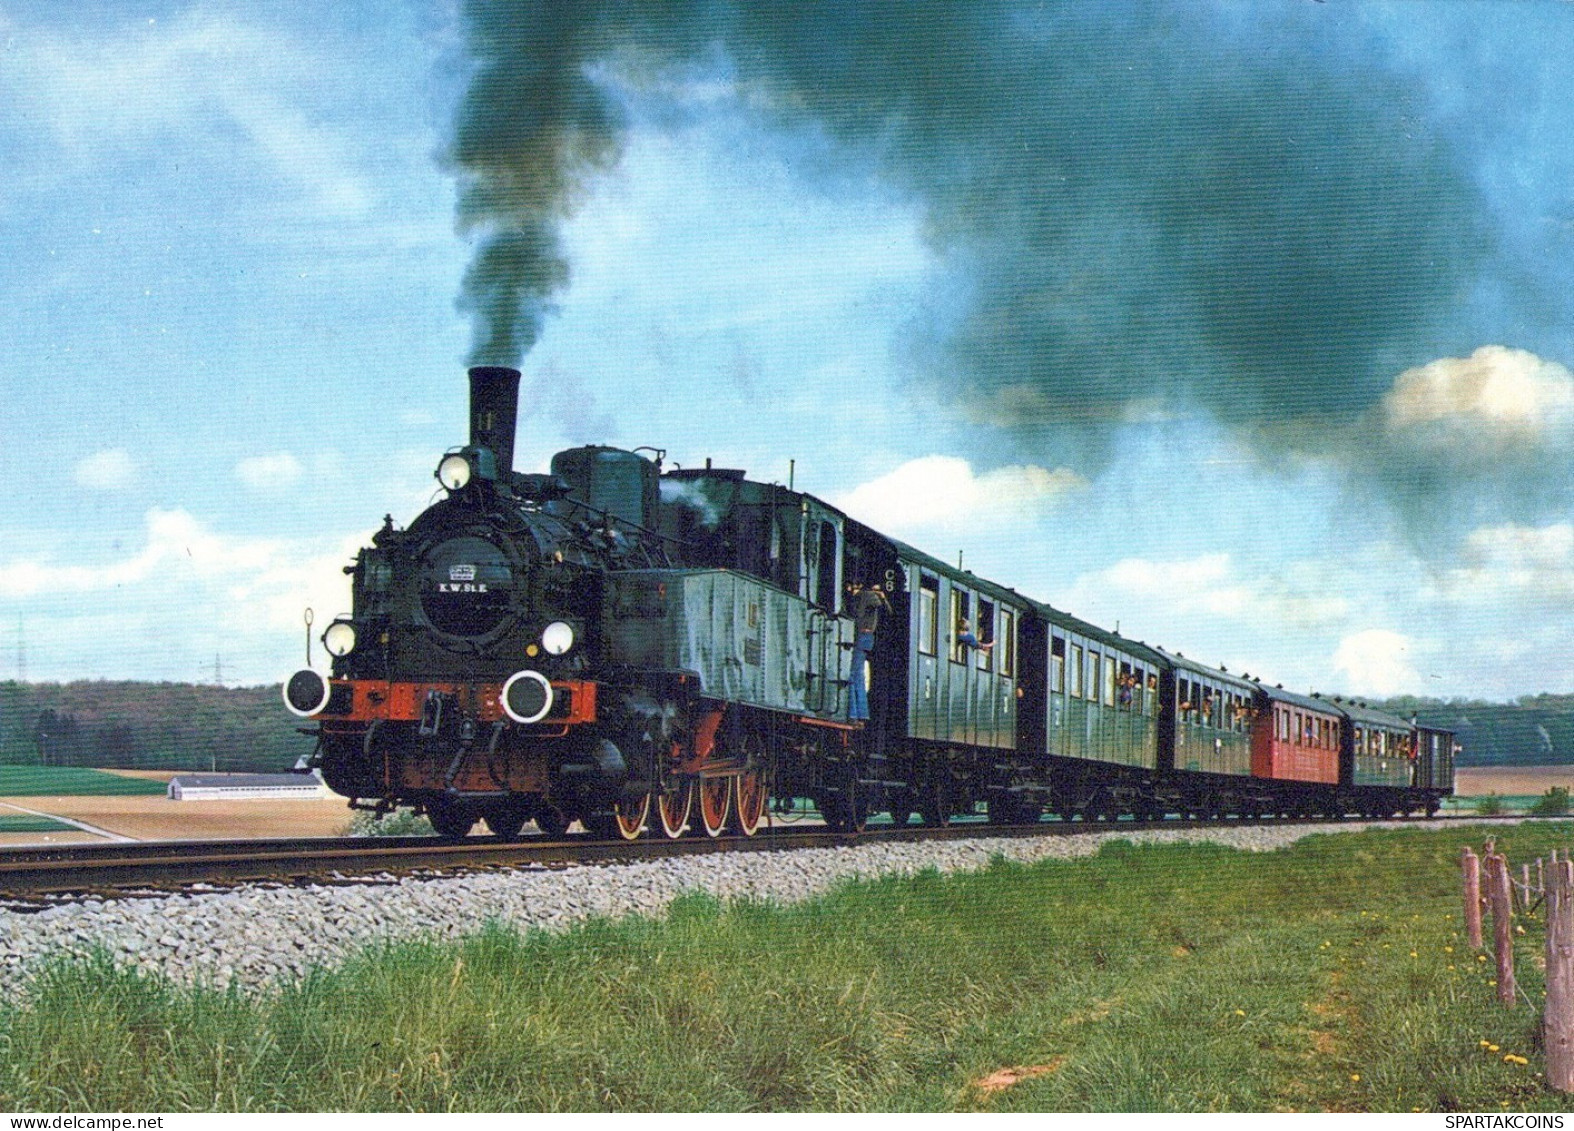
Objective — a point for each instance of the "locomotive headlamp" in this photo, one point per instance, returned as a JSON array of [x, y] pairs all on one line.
[[306, 693], [454, 471], [557, 638], [527, 697], [339, 638]]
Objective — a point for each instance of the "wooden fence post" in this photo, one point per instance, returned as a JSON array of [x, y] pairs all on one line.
[[1557, 1022], [1501, 900], [1472, 867]]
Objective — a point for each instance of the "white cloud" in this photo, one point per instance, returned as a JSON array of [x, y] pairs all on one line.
[[201, 75], [269, 473], [188, 593], [179, 548], [942, 491], [1511, 561], [112, 469], [1496, 396], [1521, 547], [1204, 586], [1377, 661]]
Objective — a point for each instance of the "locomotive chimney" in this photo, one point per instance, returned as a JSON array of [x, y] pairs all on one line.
[[494, 408]]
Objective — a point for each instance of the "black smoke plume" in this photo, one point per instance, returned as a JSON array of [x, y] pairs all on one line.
[[1145, 206]]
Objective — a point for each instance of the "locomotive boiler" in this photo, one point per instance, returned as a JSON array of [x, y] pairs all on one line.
[[538, 647]]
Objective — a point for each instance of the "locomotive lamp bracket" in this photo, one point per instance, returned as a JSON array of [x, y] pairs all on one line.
[[432, 713]]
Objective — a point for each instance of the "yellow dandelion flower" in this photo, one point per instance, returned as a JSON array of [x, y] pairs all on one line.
[[1486, 1044], [1519, 928], [1356, 1076], [1451, 967], [1510, 1058], [1481, 958], [1413, 954], [1492, 1048], [1240, 1013], [1448, 950]]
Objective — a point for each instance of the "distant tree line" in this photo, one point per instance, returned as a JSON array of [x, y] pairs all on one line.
[[1534, 730], [154, 726]]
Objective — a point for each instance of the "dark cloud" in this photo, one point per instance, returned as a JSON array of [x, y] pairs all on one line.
[[1140, 206]]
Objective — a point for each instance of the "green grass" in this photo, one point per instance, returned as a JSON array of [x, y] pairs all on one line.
[[46, 781], [1509, 804], [1331, 976], [27, 823]]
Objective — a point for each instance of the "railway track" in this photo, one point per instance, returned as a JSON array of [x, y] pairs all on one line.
[[37, 876]]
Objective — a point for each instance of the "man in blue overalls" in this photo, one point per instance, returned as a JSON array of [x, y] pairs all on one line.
[[865, 603]]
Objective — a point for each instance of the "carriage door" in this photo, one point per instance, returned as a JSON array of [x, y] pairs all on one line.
[[925, 691], [829, 664]]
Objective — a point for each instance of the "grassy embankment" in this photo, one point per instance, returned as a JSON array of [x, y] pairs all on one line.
[[74, 781], [52, 781], [1330, 976], [27, 823]]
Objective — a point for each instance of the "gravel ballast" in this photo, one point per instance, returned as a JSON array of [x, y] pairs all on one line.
[[257, 935]]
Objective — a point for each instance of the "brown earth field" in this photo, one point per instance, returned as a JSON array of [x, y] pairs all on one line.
[[159, 818], [64, 836], [1511, 781]]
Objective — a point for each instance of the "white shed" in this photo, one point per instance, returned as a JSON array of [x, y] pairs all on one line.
[[248, 787]]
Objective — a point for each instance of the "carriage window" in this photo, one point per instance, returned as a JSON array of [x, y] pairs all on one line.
[[1008, 643], [985, 631], [1091, 687], [928, 618], [1210, 716], [1183, 699], [1076, 671], [959, 613], [1109, 681], [1057, 664]]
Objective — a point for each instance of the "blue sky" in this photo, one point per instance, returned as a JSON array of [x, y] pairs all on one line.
[[1247, 327]]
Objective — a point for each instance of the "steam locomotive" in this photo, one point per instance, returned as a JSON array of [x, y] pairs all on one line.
[[645, 649]]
